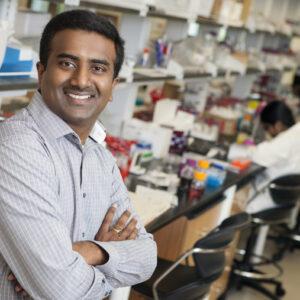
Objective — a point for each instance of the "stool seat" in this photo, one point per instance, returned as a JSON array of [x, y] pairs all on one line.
[[183, 284], [275, 215]]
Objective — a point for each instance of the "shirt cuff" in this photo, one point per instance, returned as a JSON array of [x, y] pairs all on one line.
[[100, 287], [110, 267]]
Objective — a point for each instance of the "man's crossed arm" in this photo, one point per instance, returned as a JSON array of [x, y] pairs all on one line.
[[92, 253]]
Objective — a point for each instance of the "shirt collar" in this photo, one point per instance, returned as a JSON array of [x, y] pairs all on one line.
[[98, 133], [53, 126]]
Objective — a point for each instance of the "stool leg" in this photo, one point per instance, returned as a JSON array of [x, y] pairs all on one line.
[[260, 241], [250, 246], [261, 289]]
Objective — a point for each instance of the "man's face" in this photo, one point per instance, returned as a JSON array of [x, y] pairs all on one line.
[[78, 80]]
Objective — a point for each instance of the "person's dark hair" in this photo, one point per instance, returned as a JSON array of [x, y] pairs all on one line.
[[277, 111], [80, 19]]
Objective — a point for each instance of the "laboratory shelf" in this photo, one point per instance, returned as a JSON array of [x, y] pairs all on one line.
[[18, 83], [29, 83]]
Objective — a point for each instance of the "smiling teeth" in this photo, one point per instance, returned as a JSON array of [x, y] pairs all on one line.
[[79, 97]]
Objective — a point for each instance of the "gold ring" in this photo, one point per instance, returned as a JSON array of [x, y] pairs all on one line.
[[118, 231]]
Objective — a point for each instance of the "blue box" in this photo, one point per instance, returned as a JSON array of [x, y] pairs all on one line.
[[12, 63]]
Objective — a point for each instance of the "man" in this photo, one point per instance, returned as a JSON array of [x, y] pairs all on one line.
[[67, 226], [280, 155]]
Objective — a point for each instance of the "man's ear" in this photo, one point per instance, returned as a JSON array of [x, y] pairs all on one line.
[[40, 69], [115, 82]]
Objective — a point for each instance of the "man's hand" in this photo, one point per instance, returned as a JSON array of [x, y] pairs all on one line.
[[128, 232], [18, 288], [95, 255]]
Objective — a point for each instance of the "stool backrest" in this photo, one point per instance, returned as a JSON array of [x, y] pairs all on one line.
[[285, 189], [212, 264]]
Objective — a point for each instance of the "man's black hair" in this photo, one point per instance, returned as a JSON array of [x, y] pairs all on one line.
[[80, 19], [277, 111]]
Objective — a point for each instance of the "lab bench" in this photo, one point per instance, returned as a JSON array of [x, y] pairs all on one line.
[[210, 198]]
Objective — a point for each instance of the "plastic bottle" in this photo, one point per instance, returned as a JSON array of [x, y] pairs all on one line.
[[186, 177], [198, 185], [144, 60], [245, 125]]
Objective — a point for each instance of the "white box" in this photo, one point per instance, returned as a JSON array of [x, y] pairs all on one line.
[[159, 137], [30, 24]]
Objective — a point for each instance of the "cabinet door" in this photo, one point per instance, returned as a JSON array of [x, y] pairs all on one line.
[[169, 239], [198, 227], [180, 235]]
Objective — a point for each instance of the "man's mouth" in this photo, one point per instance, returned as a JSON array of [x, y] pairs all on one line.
[[79, 96]]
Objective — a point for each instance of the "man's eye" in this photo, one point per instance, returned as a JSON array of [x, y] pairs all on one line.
[[67, 64], [98, 69]]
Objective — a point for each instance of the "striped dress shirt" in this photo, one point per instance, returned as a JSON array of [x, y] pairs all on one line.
[[54, 192]]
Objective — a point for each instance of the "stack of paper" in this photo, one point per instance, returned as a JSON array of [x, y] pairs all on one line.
[[150, 203]]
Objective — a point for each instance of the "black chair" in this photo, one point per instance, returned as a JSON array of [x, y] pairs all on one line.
[[285, 191], [175, 281]]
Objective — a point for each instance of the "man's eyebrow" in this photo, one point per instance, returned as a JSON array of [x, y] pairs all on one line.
[[94, 60], [100, 61], [66, 55]]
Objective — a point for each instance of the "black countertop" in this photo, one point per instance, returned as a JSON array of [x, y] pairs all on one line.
[[210, 198]]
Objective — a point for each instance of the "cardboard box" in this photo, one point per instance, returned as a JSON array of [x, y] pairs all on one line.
[[216, 8], [232, 10], [173, 90], [23, 4], [114, 16], [241, 56], [226, 126]]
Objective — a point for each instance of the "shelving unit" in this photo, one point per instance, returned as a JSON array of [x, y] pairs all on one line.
[[135, 27]]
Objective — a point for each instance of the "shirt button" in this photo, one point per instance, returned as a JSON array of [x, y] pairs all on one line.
[[103, 280], [84, 195], [109, 292], [83, 234]]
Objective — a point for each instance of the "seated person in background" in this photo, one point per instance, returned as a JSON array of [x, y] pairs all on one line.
[[280, 155]]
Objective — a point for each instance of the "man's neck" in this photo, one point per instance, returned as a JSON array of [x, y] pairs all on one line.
[[83, 132]]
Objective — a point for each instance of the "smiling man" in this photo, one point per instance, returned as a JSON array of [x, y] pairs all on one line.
[[67, 227]]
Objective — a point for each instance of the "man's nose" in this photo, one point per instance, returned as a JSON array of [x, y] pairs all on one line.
[[81, 78]]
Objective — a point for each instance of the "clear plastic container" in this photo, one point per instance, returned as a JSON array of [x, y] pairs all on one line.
[[215, 176], [197, 186]]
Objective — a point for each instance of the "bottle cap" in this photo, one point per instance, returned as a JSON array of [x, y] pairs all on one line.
[[191, 162], [199, 175], [203, 164]]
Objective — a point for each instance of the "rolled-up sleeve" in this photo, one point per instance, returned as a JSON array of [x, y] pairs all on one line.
[[132, 261], [34, 240]]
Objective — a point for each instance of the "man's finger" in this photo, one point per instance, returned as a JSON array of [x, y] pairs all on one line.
[[129, 228], [18, 288], [123, 220], [107, 220], [11, 277], [133, 234]]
